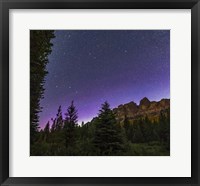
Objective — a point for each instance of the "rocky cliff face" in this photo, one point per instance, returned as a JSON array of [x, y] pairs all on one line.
[[132, 111]]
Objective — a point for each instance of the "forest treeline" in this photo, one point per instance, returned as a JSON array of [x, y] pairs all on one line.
[[103, 136]]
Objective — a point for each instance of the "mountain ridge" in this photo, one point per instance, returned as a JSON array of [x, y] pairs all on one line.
[[145, 108]]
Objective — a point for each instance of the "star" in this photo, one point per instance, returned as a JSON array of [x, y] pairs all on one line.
[[97, 65]]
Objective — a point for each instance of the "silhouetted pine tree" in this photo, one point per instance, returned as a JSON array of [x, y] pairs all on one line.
[[164, 128], [127, 128], [70, 124], [59, 120], [53, 127], [47, 128], [46, 131], [108, 137], [40, 48]]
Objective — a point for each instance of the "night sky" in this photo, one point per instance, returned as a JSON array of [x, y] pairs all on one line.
[[94, 66]]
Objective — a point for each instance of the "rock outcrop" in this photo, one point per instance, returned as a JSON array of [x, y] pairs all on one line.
[[146, 108]]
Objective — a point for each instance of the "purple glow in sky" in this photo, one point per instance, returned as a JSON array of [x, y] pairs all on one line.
[[93, 66]]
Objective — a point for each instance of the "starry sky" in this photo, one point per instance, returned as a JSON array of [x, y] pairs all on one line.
[[94, 66]]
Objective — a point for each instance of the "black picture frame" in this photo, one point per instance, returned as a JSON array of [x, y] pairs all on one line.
[[6, 5]]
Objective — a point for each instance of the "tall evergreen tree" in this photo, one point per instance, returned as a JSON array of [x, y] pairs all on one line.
[[46, 131], [40, 48], [53, 127], [47, 128], [164, 128], [59, 120], [58, 134], [127, 128], [108, 137], [70, 125]]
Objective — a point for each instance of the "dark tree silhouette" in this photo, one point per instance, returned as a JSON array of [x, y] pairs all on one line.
[[59, 120], [127, 128], [53, 127], [47, 128], [108, 137], [70, 124], [40, 48], [164, 128], [46, 132]]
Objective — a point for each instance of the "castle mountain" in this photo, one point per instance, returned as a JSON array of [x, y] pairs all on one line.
[[146, 108]]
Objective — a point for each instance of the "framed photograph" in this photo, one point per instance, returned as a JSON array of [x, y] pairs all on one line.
[[99, 92]]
